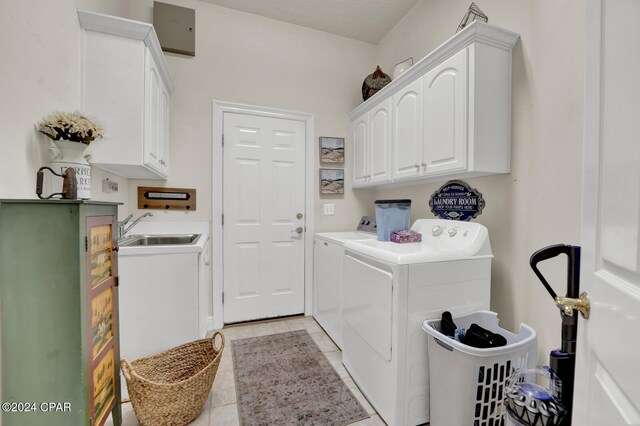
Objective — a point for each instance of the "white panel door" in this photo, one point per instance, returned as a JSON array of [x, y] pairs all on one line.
[[445, 116], [607, 388], [380, 142], [360, 151], [407, 132], [263, 196]]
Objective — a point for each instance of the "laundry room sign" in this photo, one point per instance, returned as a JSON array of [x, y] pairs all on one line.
[[455, 200]]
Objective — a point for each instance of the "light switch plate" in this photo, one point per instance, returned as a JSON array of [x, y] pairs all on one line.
[[329, 209], [109, 186]]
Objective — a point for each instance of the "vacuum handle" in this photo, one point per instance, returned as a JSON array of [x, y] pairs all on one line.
[[544, 254]]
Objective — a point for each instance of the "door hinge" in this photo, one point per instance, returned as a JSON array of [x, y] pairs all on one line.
[[223, 139], [222, 219], [116, 281], [86, 243], [223, 297]]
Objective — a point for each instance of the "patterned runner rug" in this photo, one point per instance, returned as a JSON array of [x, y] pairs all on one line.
[[285, 379]]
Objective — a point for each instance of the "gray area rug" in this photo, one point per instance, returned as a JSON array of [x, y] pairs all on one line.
[[284, 379]]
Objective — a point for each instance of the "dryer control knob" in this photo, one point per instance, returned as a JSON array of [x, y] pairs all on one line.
[[437, 230], [452, 232]]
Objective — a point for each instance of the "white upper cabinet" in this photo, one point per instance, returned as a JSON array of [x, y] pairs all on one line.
[[407, 131], [379, 142], [126, 86], [450, 113], [371, 135], [359, 134], [445, 117]]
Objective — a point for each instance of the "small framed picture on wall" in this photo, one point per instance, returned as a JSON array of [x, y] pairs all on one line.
[[331, 181], [331, 150]]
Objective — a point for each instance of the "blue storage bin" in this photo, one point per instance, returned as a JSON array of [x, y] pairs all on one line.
[[392, 215]]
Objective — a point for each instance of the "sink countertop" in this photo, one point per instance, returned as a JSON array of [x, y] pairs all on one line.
[[149, 227], [164, 249]]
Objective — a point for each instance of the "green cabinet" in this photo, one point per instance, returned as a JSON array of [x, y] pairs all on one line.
[[59, 312]]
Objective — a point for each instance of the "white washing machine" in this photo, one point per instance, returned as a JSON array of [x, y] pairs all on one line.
[[389, 290], [327, 275]]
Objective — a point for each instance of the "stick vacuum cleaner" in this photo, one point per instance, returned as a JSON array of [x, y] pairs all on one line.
[[563, 360]]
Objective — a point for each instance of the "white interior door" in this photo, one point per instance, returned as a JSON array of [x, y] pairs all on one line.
[[263, 207], [607, 388]]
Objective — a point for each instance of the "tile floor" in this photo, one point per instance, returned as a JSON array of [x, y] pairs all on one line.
[[221, 408]]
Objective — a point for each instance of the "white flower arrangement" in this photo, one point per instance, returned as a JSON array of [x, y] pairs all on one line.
[[71, 126]]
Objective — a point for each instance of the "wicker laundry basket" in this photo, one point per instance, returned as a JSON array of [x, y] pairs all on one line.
[[170, 388]]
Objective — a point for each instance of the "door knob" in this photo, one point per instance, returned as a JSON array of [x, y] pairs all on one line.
[[299, 230], [299, 216]]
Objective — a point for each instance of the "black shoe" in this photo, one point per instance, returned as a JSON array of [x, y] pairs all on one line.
[[479, 337], [447, 325]]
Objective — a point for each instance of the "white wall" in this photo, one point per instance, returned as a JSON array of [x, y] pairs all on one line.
[[40, 69], [539, 202], [249, 59]]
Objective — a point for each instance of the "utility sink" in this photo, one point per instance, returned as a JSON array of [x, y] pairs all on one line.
[[159, 240]]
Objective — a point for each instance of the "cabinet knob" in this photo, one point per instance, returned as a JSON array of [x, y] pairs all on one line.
[[424, 164], [417, 166], [162, 162]]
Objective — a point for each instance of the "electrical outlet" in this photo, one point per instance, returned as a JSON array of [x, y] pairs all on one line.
[[109, 186], [329, 209]]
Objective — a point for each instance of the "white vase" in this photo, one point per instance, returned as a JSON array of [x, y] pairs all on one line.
[[67, 154]]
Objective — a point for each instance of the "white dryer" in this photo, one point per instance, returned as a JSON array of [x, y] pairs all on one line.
[[389, 290], [328, 254]]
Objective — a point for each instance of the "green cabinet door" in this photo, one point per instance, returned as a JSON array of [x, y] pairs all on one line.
[[58, 306]]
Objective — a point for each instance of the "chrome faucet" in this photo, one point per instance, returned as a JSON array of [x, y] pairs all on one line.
[[123, 228]]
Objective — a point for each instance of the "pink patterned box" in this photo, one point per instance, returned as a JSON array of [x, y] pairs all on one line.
[[406, 237]]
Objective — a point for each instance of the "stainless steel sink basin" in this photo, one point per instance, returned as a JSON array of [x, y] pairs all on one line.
[[159, 240]]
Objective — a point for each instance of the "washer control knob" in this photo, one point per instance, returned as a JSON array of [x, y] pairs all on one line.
[[452, 232], [437, 230]]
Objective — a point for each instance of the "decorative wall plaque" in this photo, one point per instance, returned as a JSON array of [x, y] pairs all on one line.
[[455, 200], [166, 198]]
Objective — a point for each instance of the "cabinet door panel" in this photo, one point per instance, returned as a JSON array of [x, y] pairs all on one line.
[[445, 116], [407, 131], [164, 130], [380, 142], [359, 132], [153, 119], [101, 306]]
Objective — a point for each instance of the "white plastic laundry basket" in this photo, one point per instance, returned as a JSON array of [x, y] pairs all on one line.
[[466, 383]]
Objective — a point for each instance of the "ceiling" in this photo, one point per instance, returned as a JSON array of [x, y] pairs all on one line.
[[365, 20]]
